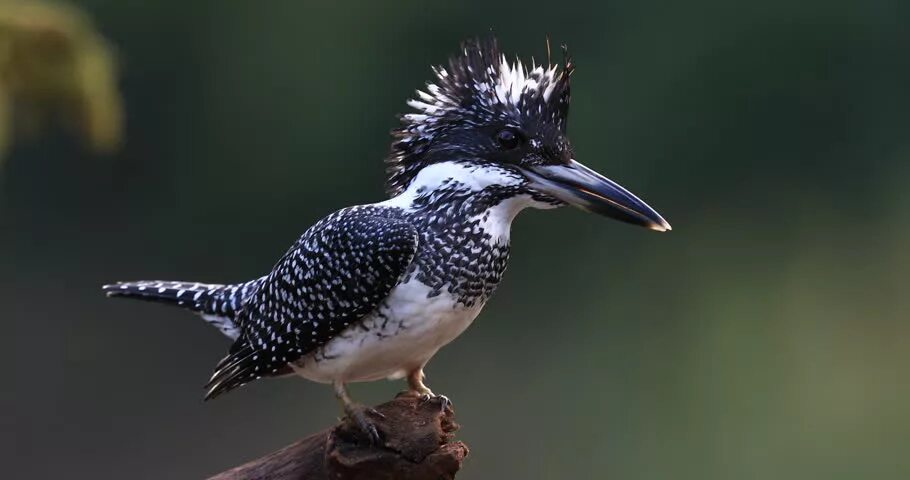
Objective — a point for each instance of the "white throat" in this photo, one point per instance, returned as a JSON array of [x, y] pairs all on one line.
[[468, 179]]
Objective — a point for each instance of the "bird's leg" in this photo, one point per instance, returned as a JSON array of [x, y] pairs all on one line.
[[417, 387], [415, 383], [358, 412]]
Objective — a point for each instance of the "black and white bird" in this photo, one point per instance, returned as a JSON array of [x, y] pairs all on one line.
[[374, 291]]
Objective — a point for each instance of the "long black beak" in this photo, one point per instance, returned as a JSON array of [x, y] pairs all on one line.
[[578, 185]]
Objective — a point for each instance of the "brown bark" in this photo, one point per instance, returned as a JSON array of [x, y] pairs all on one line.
[[416, 445]]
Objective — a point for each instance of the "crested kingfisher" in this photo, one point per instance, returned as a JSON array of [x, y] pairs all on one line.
[[374, 291]]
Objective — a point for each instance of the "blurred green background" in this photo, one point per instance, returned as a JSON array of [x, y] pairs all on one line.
[[764, 337]]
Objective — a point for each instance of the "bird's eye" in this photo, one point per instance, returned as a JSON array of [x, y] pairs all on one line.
[[507, 139]]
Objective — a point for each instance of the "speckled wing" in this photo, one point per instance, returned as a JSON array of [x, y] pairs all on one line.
[[339, 271]]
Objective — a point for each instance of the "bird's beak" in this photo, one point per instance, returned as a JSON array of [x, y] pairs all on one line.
[[584, 188]]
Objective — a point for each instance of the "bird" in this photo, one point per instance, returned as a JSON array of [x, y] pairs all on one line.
[[374, 291]]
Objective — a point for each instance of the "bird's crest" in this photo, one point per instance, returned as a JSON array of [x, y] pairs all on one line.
[[479, 85]]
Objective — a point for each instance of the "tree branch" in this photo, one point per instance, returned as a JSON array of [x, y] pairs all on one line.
[[417, 445]]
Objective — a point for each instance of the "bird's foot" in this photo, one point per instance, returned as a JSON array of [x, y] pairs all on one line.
[[359, 413], [444, 402], [426, 395]]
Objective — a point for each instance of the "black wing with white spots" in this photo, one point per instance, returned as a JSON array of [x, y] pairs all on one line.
[[339, 271]]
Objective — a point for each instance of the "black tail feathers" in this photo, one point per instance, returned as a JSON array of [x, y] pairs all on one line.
[[200, 297], [218, 305]]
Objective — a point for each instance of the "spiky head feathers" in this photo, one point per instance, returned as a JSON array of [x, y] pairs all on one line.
[[464, 111]]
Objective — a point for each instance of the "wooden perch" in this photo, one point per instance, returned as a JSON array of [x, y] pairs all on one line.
[[416, 445]]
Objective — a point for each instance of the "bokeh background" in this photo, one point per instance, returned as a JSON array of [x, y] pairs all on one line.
[[766, 336]]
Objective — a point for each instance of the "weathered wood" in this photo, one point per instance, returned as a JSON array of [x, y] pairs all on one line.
[[416, 445]]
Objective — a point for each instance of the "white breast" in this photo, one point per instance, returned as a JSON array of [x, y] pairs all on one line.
[[400, 336], [410, 326]]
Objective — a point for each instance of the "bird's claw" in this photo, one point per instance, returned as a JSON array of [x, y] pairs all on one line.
[[444, 402], [358, 413], [426, 396]]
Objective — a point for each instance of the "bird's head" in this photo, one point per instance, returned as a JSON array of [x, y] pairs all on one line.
[[491, 125]]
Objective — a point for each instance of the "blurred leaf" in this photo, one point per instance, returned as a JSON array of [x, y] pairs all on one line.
[[54, 65]]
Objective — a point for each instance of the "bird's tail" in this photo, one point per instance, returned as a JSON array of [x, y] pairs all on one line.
[[216, 303], [199, 297]]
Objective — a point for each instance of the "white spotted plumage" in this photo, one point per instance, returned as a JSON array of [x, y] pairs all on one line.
[[405, 331], [376, 290]]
